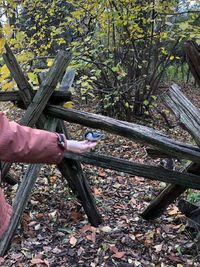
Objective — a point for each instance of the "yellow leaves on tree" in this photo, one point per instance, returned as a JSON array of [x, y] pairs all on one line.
[[2, 44], [25, 56], [4, 73], [5, 34], [6, 82], [7, 31]]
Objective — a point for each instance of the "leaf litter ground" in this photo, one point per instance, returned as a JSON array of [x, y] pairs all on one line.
[[55, 231]]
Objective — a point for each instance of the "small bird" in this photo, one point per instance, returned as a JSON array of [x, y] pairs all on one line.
[[93, 136]]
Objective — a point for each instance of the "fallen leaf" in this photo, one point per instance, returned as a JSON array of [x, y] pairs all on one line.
[[132, 237], [56, 250], [47, 249], [120, 206], [92, 236], [53, 214], [117, 185], [102, 173], [177, 226], [174, 258], [86, 228], [25, 221], [77, 216], [37, 261], [119, 254], [73, 241], [98, 191], [106, 229], [53, 178], [16, 256], [137, 263], [113, 248], [80, 251], [39, 216], [26, 217], [37, 227], [68, 104], [47, 263], [182, 228], [133, 201], [173, 211], [150, 235], [158, 248], [32, 223], [139, 235]]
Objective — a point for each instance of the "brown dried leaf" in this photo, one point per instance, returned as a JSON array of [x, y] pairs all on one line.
[[39, 216], [86, 228], [77, 216], [53, 178], [174, 258], [16, 256], [98, 191], [119, 254], [37, 261], [102, 173], [173, 211], [92, 237], [113, 248]]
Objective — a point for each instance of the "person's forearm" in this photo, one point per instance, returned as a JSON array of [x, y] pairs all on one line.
[[23, 144]]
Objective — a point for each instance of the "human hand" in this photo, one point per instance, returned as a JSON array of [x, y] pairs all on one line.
[[80, 146]]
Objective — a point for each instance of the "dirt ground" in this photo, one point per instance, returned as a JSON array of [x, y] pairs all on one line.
[[55, 231]]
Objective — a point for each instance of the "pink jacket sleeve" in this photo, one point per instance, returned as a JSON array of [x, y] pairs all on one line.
[[23, 144]]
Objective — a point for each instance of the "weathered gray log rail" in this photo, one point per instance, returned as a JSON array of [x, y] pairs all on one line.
[[39, 107], [193, 58], [188, 117], [164, 145], [139, 133], [56, 98]]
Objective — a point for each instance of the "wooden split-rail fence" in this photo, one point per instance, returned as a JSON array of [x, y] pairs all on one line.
[[44, 110]]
